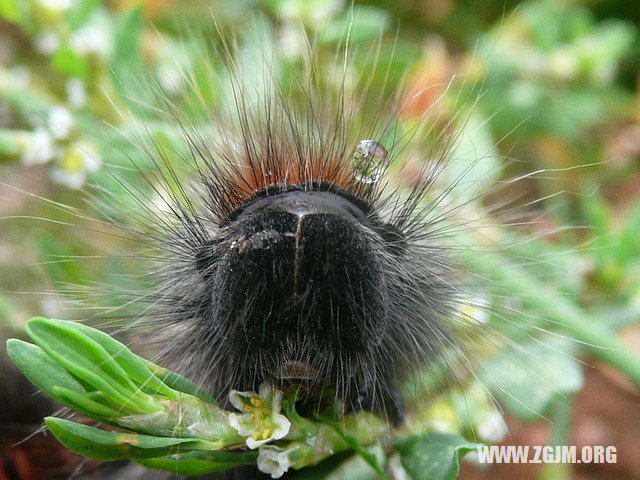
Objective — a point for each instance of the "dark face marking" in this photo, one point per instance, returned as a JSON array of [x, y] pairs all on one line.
[[300, 271]]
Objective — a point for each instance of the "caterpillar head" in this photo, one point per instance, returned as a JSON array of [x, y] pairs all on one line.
[[297, 281], [307, 283]]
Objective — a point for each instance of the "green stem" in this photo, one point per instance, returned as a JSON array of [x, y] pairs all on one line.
[[560, 431], [600, 341], [560, 313]]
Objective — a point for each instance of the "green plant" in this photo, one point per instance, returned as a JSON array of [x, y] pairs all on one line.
[[162, 420]]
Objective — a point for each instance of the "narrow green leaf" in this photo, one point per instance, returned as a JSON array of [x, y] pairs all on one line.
[[82, 403], [55, 381], [434, 455], [80, 11], [200, 463], [87, 360], [178, 383], [106, 445], [135, 367], [126, 64], [527, 388], [40, 369]]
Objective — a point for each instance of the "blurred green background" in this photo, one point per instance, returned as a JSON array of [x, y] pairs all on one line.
[[547, 86]]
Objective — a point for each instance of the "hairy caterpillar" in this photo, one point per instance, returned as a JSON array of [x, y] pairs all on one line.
[[293, 259], [288, 255]]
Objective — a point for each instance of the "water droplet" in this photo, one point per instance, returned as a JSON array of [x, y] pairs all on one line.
[[369, 161]]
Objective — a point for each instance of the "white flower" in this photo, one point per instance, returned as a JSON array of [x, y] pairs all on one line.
[[170, 77], [47, 43], [274, 460], [20, 77], [38, 148], [60, 122], [323, 11], [56, 5], [563, 64], [76, 93], [73, 180], [74, 163], [290, 10], [291, 40], [491, 427], [262, 421], [90, 39]]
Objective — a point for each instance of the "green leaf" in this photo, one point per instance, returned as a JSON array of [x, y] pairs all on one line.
[[126, 64], [526, 381], [88, 361], [80, 11], [434, 455], [179, 383], [135, 367], [82, 403], [16, 11], [107, 445], [40, 369], [365, 24], [200, 463], [55, 381], [69, 63]]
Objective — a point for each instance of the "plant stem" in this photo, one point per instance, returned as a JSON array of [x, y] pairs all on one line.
[[561, 427], [560, 314]]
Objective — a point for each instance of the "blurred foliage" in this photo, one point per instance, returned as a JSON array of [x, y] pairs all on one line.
[[548, 86]]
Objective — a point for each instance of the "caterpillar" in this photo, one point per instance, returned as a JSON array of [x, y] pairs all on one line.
[[281, 247], [291, 259]]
